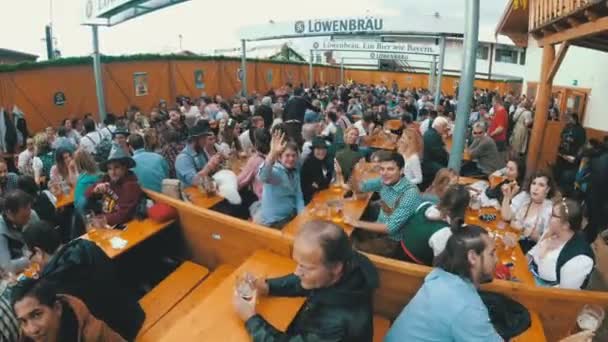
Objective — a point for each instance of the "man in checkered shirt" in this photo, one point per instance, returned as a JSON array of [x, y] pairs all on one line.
[[399, 199]]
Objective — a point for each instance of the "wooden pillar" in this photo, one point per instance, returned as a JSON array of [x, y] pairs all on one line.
[[542, 109]]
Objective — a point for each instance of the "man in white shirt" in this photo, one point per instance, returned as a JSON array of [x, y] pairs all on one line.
[[110, 126], [365, 126], [191, 113], [245, 137], [92, 137], [24, 161]]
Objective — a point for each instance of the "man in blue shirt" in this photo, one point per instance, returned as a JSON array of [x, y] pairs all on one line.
[[282, 197], [194, 163], [150, 168], [447, 307]]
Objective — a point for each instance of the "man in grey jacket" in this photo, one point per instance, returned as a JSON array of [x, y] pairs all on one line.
[[16, 214], [485, 158]]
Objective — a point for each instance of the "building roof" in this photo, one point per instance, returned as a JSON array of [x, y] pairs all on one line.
[[13, 53], [514, 24]]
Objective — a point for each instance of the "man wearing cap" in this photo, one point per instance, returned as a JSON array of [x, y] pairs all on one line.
[[118, 190], [199, 158], [120, 136]]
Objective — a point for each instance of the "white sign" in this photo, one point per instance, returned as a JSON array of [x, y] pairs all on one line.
[[379, 47], [372, 24], [367, 24], [388, 55], [96, 8]]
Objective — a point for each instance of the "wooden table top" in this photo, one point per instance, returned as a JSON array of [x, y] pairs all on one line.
[[465, 154], [135, 233], [393, 124], [214, 318], [352, 207], [201, 200], [519, 270], [65, 200], [380, 141]]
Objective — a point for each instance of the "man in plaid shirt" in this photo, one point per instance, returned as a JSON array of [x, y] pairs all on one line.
[[399, 201]]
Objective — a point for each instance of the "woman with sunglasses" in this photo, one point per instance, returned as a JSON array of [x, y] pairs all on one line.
[[563, 258], [530, 210]]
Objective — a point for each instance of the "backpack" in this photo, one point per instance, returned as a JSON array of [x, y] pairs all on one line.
[[102, 149], [48, 160]]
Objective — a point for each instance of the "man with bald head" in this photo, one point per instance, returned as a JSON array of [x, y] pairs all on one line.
[[337, 281]]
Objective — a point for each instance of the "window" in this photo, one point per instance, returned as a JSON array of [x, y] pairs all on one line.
[[483, 52], [506, 55], [522, 57]]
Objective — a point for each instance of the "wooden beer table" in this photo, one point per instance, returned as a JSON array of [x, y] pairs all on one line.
[[352, 207], [514, 256], [214, 318], [65, 200], [199, 199], [135, 233], [318, 208], [381, 142]]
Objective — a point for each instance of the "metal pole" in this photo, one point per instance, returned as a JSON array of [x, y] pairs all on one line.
[[101, 102], [244, 67], [440, 73], [342, 71], [310, 75], [432, 74], [467, 78]]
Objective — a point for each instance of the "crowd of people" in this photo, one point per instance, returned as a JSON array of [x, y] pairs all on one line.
[[296, 142]]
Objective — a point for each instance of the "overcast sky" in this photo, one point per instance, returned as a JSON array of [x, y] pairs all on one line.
[[204, 25]]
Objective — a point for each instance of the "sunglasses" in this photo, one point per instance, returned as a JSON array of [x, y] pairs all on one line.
[[477, 133]]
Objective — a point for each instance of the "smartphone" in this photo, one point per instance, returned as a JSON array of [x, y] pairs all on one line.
[[120, 226]]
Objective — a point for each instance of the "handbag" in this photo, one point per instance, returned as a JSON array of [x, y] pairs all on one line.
[[508, 317]]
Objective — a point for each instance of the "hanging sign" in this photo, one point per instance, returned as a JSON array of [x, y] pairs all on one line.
[[369, 46], [199, 79], [59, 98], [97, 8]]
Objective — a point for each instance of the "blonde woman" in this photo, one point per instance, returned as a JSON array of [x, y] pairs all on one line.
[[410, 147], [443, 179], [88, 174]]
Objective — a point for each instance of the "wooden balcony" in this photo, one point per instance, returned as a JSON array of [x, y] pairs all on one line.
[[582, 22], [547, 12]]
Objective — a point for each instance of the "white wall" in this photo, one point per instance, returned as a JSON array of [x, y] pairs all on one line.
[[588, 67], [453, 59]]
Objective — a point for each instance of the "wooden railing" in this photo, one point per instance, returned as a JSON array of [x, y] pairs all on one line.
[[545, 11]]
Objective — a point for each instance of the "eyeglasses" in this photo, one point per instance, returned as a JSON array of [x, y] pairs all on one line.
[[477, 133]]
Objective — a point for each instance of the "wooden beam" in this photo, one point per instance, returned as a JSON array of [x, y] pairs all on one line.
[[543, 96], [592, 16], [573, 21], [583, 30], [591, 45], [559, 27], [563, 49]]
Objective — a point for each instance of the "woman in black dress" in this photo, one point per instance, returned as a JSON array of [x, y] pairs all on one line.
[[317, 170]]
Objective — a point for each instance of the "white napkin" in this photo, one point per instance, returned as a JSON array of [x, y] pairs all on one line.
[[118, 243]]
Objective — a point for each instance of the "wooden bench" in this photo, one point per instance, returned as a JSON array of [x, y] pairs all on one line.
[[169, 292], [381, 326], [187, 303]]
